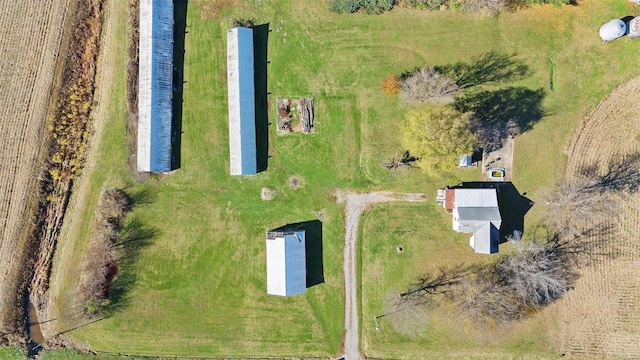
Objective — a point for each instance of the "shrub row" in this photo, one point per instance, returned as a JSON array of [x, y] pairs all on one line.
[[490, 6], [351, 6]]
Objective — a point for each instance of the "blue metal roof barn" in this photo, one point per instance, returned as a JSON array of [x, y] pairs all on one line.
[[286, 263], [242, 110], [155, 86]]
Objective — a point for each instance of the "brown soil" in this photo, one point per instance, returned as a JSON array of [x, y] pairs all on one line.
[[600, 316], [30, 47], [65, 58]]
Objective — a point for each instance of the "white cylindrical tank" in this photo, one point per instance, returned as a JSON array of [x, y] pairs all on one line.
[[612, 30]]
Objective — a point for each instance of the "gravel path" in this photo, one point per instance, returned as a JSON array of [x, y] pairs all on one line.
[[356, 204]]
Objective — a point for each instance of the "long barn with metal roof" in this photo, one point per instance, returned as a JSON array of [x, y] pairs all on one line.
[[242, 109], [155, 86]]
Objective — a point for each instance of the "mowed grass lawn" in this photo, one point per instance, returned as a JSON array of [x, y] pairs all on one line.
[[200, 285]]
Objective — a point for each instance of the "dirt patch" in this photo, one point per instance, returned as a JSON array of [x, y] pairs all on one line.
[[296, 182], [501, 158], [218, 9], [600, 316], [295, 116], [267, 194]]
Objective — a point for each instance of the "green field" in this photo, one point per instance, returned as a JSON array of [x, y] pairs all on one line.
[[12, 353], [199, 286]]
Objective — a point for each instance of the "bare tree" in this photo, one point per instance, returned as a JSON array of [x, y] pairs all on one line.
[[408, 311], [426, 84], [399, 162], [578, 204], [536, 272], [482, 299], [492, 135], [409, 316], [439, 284]]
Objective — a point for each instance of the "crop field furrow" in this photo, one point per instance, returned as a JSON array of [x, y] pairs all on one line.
[[32, 31], [600, 316]]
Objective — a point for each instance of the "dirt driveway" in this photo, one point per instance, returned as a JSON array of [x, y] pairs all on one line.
[[356, 204]]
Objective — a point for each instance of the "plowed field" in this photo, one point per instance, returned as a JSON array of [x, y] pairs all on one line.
[[600, 317], [30, 44]]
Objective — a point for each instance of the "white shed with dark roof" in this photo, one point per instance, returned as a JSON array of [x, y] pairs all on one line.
[[286, 263]]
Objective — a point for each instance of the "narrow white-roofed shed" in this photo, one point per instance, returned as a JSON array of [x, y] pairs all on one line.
[[612, 30], [286, 263], [241, 88], [155, 86]]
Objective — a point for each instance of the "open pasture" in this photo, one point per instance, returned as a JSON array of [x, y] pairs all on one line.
[[198, 287]]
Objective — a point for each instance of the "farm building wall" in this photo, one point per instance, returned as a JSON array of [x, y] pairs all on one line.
[[286, 263], [241, 88], [155, 86]]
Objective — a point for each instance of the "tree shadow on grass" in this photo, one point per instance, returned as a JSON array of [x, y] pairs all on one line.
[[502, 113], [134, 236], [141, 196], [491, 67]]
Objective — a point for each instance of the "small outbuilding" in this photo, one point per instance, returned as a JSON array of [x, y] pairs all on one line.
[[612, 30], [286, 263]]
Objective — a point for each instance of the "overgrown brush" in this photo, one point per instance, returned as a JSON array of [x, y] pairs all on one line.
[[133, 58], [390, 85], [426, 84], [490, 7], [352, 6], [534, 275], [101, 266], [115, 243]]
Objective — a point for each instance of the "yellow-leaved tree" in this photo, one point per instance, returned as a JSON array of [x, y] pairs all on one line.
[[437, 136]]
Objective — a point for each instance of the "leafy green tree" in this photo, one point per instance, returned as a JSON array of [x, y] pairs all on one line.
[[437, 136]]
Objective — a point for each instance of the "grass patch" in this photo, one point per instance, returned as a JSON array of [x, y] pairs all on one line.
[[427, 245], [12, 353], [200, 286], [73, 355]]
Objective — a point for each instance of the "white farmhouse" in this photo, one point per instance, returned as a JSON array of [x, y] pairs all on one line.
[[475, 211]]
